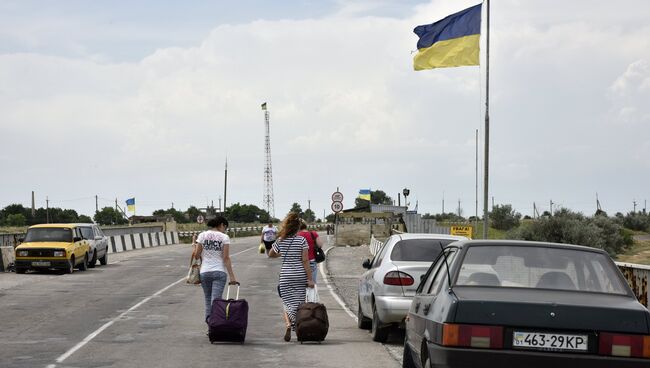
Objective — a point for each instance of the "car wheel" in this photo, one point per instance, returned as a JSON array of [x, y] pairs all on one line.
[[70, 268], [93, 261], [21, 270], [104, 260], [363, 322], [84, 264], [379, 333], [407, 359]]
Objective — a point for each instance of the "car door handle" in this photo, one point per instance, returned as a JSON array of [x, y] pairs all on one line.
[[426, 309], [417, 307]]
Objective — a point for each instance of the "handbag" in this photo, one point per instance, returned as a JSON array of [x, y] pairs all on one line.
[[262, 248], [194, 274], [319, 253]]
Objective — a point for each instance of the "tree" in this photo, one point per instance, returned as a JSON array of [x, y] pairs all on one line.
[[85, 219], [309, 216], [177, 215], [108, 216], [330, 218], [295, 208], [504, 217], [193, 212], [16, 219], [246, 213], [376, 197]]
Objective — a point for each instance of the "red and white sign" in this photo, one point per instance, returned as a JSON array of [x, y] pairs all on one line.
[[200, 219], [337, 197], [337, 207]]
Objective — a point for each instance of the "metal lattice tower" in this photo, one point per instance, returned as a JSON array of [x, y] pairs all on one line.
[[268, 201]]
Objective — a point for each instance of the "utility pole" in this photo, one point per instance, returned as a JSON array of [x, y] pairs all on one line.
[[399, 199], [492, 203], [172, 205], [476, 186], [551, 203], [47, 208], [534, 210], [225, 186], [309, 204], [644, 205], [220, 210], [96, 203], [634, 202], [458, 207], [33, 205], [443, 202]]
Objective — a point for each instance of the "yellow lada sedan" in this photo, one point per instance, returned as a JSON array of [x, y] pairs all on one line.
[[53, 246]]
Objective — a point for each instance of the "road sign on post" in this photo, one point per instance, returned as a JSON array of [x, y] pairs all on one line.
[[337, 207], [200, 219], [337, 197], [465, 231]]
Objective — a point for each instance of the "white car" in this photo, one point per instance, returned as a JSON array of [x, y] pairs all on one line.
[[387, 288], [98, 244]]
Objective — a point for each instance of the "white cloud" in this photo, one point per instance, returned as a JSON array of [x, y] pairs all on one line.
[[346, 110]]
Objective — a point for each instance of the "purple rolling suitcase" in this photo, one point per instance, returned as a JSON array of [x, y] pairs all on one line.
[[228, 319]]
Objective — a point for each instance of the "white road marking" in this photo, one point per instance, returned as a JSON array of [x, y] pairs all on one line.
[[108, 324], [331, 289]]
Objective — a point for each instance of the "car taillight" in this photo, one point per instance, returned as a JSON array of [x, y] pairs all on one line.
[[398, 278], [634, 346], [475, 336]]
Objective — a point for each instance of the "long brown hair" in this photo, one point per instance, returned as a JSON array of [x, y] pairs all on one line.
[[289, 226]]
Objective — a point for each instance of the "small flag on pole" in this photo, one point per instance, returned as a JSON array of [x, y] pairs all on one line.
[[452, 41], [130, 204], [264, 106], [364, 194]]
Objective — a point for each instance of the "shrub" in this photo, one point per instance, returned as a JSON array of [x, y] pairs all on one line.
[[570, 227], [637, 221], [504, 217]]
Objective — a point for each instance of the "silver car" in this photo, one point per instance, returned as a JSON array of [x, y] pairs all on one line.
[[387, 288], [98, 244]]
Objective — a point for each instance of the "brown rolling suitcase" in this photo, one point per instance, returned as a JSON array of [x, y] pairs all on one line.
[[312, 323]]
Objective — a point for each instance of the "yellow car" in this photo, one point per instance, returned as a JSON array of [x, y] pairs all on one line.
[[53, 246]]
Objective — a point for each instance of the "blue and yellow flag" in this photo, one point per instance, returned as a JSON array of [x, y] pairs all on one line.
[[364, 194], [130, 204], [453, 41]]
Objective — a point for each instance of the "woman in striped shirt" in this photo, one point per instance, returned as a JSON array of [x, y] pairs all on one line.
[[295, 273]]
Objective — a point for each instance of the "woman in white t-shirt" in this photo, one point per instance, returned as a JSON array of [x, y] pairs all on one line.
[[213, 248], [269, 234]]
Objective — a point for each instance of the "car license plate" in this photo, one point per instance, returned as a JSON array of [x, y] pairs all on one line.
[[549, 341], [41, 264]]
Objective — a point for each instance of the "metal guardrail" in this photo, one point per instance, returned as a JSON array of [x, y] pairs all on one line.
[[636, 275], [235, 230]]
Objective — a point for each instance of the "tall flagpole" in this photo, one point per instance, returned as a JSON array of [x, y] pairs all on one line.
[[487, 126]]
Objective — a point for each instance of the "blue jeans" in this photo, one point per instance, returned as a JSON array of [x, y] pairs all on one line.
[[213, 283], [314, 270]]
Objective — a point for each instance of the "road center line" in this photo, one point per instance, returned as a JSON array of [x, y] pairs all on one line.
[[108, 324]]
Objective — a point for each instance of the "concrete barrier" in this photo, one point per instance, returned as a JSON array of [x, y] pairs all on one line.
[[132, 241], [7, 257]]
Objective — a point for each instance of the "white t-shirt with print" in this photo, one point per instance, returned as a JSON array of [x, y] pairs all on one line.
[[270, 233], [212, 255]]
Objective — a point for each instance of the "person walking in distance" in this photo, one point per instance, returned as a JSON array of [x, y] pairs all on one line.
[[213, 248], [313, 240], [269, 234], [295, 273]]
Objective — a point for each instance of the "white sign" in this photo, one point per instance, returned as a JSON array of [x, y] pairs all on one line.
[[200, 219], [337, 197], [337, 206]]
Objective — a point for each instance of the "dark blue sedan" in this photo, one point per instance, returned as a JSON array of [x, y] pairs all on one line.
[[525, 304]]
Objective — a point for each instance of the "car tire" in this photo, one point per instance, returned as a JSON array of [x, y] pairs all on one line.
[[378, 332], [104, 260], [363, 322], [407, 358], [93, 261], [21, 270], [70, 268], [84, 264]]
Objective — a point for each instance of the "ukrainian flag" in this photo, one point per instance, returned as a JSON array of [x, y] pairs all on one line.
[[364, 194], [453, 41], [130, 204]]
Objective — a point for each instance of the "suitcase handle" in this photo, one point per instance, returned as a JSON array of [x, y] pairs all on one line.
[[228, 291]]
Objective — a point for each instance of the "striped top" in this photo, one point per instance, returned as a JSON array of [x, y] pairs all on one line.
[[291, 251]]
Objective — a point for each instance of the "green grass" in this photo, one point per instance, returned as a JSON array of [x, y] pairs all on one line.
[[639, 253]]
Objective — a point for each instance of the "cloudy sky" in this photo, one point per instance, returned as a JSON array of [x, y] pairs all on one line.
[[146, 99]]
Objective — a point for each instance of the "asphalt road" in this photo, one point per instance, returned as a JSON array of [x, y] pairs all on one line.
[[138, 312]]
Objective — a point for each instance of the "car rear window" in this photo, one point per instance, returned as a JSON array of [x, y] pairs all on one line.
[[418, 250], [539, 268], [45, 234]]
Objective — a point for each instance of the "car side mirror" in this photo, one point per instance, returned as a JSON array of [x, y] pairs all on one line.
[[366, 264], [76, 239]]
